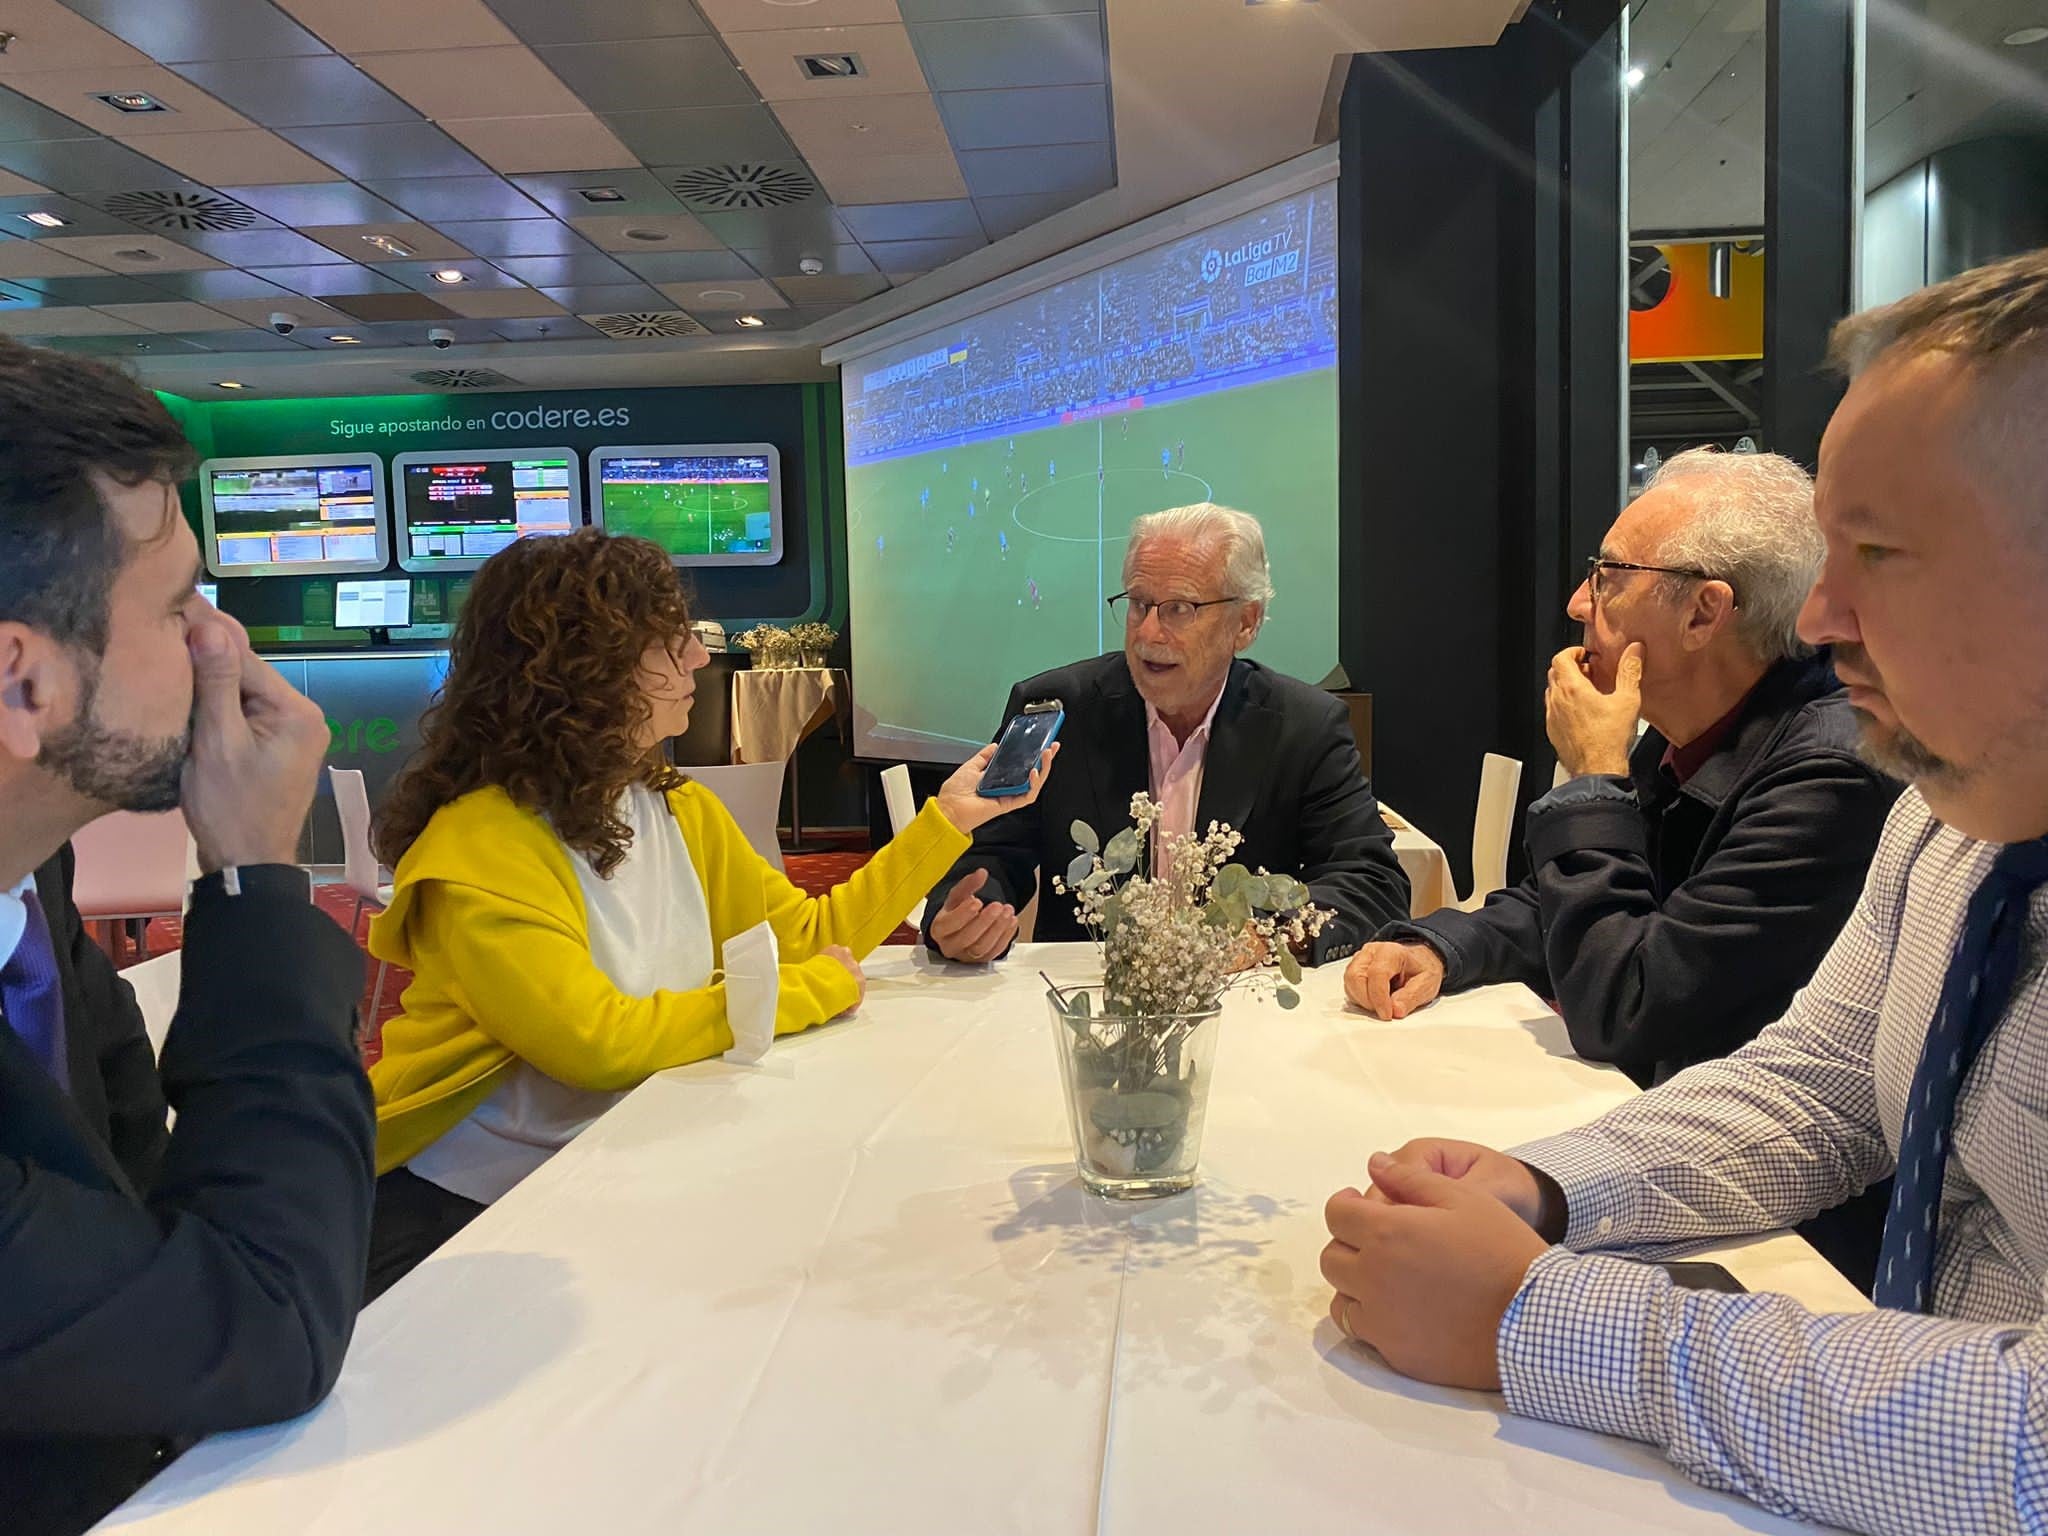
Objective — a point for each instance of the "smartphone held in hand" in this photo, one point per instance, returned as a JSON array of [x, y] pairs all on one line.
[[1023, 742]]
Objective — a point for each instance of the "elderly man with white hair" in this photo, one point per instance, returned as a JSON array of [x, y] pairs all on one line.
[[1684, 886], [1178, 713]]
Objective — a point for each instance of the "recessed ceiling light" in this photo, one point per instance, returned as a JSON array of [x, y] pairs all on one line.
[[1635, 76], [388, 245], [130, 101], [346, 340], [138, 253], [451, 275], [651, 236], [229, 384], [46, 219], [751, 322], [719, 295], [2026, 36], [601, 194]]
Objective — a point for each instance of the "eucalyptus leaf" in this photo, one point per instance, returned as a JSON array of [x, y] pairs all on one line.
[[1230, 877], [1289, 966], [1236, 909], [1112, 915], [1084, 1005], [1287, 997], [1287, 892], [1259, 892], [1084, 837], [1082, 867], [1095, 880], [1121, 856]]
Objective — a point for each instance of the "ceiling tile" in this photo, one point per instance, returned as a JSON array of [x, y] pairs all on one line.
[[1013, 51], [563, 327], [173, 315], [832, 290], [688, 266], [974, 10], [1054, 114], [133, 346], [308, 312], [845, 127], [911, 221], [372, 26], [82, 218], [201, 29], [698, 135], [36, 258], [921, 255], [228, 283], [55, 37], [238, 158], [419, 275], [329, 279], [608, 299], [69, 320], [782, 260], [136, 254], [679, 231], [492, 238], [781, 16], [1002, 216], [388, 149], [736, 298], [104, 289], [393, 308], [262, 248], [650, 73], [247, 339], [891, 178], [1077, 168], [350, 240], [577, 141], [318, 202], [888, 63], [81, 166], [598, 21], [800, 223], [23, 117], [317, 92], [588, 269], [73, 92], [474, 82], [502, 304], [12, 185], [449, 199], [561, 192]]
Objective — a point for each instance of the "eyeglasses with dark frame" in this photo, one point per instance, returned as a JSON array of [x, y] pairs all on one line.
[[1595, 564], [1174, 613]]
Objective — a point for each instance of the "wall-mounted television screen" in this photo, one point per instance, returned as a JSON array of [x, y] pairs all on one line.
[[457, 509], [313, 514], [705, 503]]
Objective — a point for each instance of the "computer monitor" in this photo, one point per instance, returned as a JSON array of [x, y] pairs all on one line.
[[457, 509], [315, 514], [385, 604], [705, 503], [210, 590]]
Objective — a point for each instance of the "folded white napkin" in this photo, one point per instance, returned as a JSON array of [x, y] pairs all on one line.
[[753, 985]]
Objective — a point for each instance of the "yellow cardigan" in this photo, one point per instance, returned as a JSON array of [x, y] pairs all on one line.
[[487, 913]]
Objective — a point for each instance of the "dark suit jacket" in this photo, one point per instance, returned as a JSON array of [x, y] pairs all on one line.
[[1281, 768], [1672, 923], [153, 1287]]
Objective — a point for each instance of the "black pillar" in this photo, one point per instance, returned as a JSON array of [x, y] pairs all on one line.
[[1811, 203], [1480, 390]]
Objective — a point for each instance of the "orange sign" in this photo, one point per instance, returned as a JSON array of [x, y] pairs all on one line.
[[1690, 325]]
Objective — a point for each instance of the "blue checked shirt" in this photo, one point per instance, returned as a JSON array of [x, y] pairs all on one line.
[[1879, 1421]]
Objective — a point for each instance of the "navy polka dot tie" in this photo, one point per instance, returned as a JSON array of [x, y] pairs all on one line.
[[1980, 980]]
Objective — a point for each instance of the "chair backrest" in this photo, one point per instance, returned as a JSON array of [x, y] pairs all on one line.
[[1493, 825], [155, 984], [1562, 776], [753, 793], [131, 865], [352, 805], [896, 791]]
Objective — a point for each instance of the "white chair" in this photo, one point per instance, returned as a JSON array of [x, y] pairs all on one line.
[[1562, 776], [1493, 825], [359, 861], [155, 984], [902, 811], [131, 868], [753, 793]]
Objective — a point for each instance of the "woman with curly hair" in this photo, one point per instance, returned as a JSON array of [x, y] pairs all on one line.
[[566, 900]]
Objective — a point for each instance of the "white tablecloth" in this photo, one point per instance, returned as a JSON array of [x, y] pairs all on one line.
[[775, 708], [857, 1289], [1428, 870]]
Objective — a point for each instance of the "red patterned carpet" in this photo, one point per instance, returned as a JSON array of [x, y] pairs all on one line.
[[814, 872]]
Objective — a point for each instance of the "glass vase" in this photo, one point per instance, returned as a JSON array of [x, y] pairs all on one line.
[[1137, 1090]]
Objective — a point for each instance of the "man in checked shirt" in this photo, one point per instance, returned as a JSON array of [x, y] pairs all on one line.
[[1921, 1044]]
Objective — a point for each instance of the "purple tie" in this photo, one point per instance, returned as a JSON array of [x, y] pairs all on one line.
[[32, 993]]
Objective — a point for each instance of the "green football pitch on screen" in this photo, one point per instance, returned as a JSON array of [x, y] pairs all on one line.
[[690, 519]]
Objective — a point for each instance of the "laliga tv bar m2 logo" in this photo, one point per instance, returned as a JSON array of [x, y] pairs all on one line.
[[1212, 265], [1256, 261]]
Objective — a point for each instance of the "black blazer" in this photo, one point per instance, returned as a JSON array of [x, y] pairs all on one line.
[[1671, 930], [157, 1287], [1281, 768]]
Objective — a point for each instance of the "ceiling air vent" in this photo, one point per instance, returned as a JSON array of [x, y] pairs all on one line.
[[462, 378], [640, 325], [830, 66], [181, 212], [710, 188]]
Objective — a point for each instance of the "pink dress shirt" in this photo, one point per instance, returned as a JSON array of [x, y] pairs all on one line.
[[1176, 780]]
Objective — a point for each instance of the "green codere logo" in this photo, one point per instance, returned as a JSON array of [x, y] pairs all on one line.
[[379, 735]]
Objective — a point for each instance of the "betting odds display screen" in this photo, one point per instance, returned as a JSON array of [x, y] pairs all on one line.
[[706, 503], [303, 515], [456, 510]]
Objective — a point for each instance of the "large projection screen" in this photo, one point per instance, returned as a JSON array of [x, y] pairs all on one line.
[[995, 461]]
